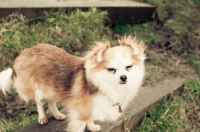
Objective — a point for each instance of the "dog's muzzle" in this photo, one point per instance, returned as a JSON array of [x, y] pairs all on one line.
[[123, 79]]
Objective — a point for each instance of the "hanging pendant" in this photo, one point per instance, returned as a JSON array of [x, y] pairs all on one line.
[[120, 109]]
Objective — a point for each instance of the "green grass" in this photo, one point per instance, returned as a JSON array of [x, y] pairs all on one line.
[[19, 119], [13, 124], [194, 61], [179, 112], [180, 20], [155, 62], [143, 31], [153, 65], [158, 118], [74, 32]]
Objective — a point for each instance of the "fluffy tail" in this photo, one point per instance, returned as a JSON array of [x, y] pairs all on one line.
[[6, 80]]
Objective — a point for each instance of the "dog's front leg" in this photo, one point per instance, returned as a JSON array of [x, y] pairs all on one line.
[[74, 123]]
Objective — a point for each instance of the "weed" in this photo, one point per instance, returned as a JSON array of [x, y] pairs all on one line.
[[154, 61], [13, 124], [161, 118], [143, 31], [175, 113], [181, 20], [150, 72], [194, 62], [122, 29], [74, 32], [197, 2]]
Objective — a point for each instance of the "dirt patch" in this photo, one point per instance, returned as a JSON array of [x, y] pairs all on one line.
[[12, 106], [171, 65]]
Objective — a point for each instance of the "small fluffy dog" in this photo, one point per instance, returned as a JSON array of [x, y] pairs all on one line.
[[94, 87]]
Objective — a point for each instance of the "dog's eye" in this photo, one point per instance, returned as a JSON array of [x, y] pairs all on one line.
[[111, 69], [128, 67]]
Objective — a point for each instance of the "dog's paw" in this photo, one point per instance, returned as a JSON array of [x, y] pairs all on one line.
[[94, 128], [42, 121], [60, 116]]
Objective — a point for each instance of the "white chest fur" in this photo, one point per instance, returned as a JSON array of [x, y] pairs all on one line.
[[111, 93], [104, 110]]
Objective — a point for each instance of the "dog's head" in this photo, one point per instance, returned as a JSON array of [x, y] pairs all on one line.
[[116, 65]]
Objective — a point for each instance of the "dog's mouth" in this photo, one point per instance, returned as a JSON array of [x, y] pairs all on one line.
[[122, 82]]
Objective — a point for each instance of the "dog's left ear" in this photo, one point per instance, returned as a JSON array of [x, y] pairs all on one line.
[[138, 46], [96, 54]]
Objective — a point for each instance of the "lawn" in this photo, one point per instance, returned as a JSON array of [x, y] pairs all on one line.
[[173, 46]]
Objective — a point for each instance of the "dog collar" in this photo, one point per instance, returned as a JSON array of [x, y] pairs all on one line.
[[119, 107]]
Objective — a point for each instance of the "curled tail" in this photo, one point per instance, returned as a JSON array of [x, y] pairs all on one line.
[[6, 80]]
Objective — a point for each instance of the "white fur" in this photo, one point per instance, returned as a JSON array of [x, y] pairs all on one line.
[[100, 56], [74, 124], [53, 108], [112, 93], [110, 90], [92, 127], [136, 51], [6, 80]]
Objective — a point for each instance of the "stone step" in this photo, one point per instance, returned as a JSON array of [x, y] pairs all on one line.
[[147, 97], [120, 11]]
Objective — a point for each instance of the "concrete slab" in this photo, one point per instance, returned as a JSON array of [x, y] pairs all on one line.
[[120, 11], [146, 97], [70, 3]]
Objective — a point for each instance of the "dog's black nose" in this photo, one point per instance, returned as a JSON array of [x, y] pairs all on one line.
[[123, 78]]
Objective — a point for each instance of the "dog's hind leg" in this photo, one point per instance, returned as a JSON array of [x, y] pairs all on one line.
[[42, 117], [56, 113], [40, 101]]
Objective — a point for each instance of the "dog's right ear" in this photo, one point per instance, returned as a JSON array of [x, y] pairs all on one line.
[[96, 54]]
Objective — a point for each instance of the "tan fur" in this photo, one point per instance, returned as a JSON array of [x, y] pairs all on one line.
[[54, 72], [97, 51]]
